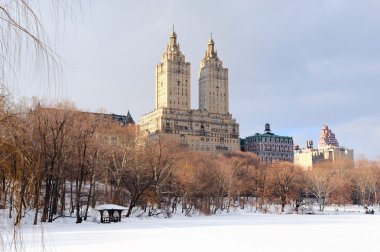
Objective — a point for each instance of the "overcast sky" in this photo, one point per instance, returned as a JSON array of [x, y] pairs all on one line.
[[294, 64]]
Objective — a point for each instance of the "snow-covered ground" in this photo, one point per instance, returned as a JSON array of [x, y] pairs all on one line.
[[233, 232]]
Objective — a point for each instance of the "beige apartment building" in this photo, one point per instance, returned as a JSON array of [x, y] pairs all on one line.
[[209, 128], [328, 150]]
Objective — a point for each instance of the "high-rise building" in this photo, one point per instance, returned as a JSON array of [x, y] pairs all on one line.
[[327, 138], [328, 150], [213, 82], [173, 78], [209, 128], [269, 148]]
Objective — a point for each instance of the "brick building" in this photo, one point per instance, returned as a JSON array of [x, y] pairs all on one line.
[[269, 147]]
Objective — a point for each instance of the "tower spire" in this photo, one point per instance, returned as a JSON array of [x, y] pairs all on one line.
[[172, 34], [211, 53], [173, 46]]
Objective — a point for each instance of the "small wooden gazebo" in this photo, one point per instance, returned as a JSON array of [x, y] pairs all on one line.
[[110, 212]]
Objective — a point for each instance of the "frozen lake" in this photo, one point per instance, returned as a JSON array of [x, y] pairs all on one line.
[[215, 233]]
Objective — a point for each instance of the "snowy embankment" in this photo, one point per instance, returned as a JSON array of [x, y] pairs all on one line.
[[225, 232]]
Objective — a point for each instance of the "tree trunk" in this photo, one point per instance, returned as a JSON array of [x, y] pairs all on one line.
[[46, 200], [10, 203], [36, 200], [71, 198], [63, 198], [131, 206], [77, 200], [3, 192], [89, 196]]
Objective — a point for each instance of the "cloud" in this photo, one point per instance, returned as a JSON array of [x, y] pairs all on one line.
[[329, 98], [362, 133], [343, 66]]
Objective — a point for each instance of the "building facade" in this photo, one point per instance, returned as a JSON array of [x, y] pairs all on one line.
[[173, 78], [327, 138], [270, 148], [209, 128], [123, 119], [213, 82], [328, 150]]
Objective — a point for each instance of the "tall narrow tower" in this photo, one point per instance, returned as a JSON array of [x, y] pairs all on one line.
[[173, 78], [327, 138], [213, 82]]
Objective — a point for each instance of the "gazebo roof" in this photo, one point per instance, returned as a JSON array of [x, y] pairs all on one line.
[[110, 207]]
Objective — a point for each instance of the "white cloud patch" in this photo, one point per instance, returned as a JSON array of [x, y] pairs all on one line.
[[342, 66], [362, 134], [326, 98]]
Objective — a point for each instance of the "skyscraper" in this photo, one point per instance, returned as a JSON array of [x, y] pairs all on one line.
[[209, 128], [328, 150], [173, 78], [213, 82]]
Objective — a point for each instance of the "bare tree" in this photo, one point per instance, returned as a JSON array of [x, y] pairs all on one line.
[[22, 32], [161, 155], [365, 179], [129, 169], [282, 178], [321, 183], [85, 152], [239, 169], [261, 184]]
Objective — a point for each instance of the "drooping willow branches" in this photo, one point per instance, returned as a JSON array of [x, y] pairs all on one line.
[[24, 41]]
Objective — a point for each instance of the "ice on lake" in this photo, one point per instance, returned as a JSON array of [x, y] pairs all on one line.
[[214, 233]]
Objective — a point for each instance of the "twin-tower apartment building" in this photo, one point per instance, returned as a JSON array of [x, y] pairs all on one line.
[[209, 128]]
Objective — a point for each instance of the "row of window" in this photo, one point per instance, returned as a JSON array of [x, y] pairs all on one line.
[[269, 160], [218, 140], [281, 148], [177, 93], [273, 154], [182, 129], [178, 84], [219, 65], [217, 94], [178, 103], [269, 140]]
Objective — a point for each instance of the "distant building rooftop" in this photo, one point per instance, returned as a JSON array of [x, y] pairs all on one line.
[[327, 138], [122, 119]]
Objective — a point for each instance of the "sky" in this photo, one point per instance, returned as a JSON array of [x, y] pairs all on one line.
[[294, 64]]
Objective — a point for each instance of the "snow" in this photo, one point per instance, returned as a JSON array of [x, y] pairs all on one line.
[[226, 232], [110, 206]]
